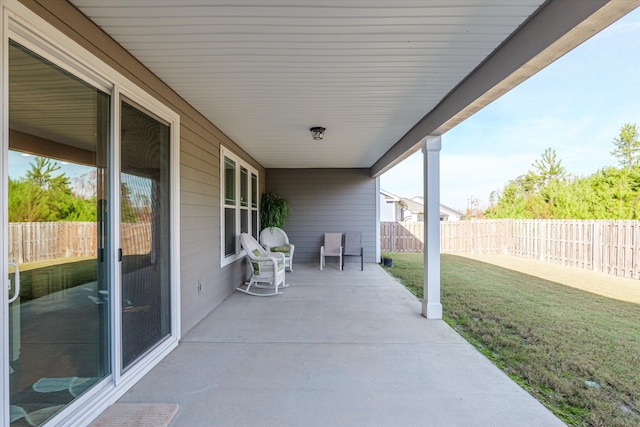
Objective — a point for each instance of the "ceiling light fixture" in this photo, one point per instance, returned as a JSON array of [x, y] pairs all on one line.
[[317, 133]]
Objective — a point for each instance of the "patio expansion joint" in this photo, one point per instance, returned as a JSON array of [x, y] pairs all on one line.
[[354, 343]]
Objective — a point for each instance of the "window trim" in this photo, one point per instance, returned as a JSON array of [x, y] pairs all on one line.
[[250, 206]]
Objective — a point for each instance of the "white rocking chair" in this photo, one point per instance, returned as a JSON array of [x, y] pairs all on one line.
[[274, 239], [267, 268]]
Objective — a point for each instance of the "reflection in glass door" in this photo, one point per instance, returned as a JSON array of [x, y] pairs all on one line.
[[144, 219], [58, 326]]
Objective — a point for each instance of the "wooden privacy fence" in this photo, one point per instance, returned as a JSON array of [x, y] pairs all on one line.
[[600, 245], [42, 241], [401, 237]]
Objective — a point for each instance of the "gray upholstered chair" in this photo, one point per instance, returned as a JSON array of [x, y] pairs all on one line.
[[353, 247]]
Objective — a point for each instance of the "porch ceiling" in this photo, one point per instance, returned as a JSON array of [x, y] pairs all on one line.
[[369, 71]]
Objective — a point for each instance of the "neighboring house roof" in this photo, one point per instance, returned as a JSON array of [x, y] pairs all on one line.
[[451, 211], [413, 206], [416, 205], [389, 196]]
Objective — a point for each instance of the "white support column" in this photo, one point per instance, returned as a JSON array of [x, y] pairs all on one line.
[[431, 306]]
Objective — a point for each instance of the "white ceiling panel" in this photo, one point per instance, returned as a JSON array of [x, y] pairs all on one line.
[[264, 72]]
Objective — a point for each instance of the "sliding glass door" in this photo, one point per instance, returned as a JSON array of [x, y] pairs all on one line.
[[145, 231], [59, 324], [88, 254]]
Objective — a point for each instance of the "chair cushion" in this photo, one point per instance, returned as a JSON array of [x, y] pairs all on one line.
[[284, 249], [256, 267], [257, 252], [257, 264]]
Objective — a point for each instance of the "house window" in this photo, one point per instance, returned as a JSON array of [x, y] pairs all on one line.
[[230, 207], [239, 187], [255, 225]]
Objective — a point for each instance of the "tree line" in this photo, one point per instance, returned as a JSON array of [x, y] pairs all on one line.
[[547, 191], [45, 194]]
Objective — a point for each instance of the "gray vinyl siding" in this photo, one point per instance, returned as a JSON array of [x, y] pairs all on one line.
[[200, 142], [323, 201]]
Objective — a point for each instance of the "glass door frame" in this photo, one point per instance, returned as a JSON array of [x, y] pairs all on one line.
[[34, 33]]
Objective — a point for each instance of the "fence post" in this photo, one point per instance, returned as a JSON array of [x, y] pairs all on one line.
[[20, 247], [473, 236], [393, 237], [543, 241]]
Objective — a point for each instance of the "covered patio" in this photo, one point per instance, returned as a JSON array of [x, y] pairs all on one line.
[[230, 92], [338, 348]]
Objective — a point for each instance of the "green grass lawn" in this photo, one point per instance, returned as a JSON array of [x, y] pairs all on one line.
[[555, 341]]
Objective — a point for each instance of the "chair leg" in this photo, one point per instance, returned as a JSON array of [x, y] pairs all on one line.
[[252, 283]]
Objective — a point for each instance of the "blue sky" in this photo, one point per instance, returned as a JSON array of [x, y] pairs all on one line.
[[20, 163], [576, 106]]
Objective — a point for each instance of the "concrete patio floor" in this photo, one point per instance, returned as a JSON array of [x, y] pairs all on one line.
[[337, 348]]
